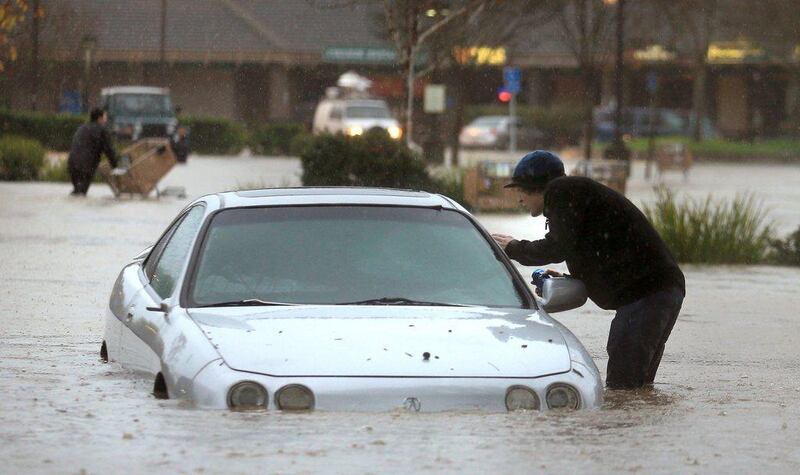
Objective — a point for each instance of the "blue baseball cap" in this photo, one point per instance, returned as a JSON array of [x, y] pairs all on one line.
[[535, 169]]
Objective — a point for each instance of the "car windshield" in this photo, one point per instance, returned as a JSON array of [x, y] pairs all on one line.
[[487, 121], [141, 105], [346, 254], [367, 112]]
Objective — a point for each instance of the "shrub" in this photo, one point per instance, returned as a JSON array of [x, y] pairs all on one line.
[[450, 185], [20, 158], [373, 159], [57, 172], [54, 131], [786, 252], [275, 138], [300, 143], [214, 135], [560, 124], [712, 232]]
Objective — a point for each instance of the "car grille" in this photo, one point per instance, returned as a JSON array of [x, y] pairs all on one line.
[[153, 130]]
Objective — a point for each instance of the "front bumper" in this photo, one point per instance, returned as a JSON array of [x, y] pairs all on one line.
[[210, 388]]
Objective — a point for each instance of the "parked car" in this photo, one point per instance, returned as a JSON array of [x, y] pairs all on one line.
[[343, 299], [636, 123], [354, 117], [494, 131], [136, 112]]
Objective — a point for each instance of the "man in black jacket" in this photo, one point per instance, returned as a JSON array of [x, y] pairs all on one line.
[[612, 247], [89, 142]]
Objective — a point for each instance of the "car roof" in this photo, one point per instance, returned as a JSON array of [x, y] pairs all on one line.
[[133, 90], [333, 196]]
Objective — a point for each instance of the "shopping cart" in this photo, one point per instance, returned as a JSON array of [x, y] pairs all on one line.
[[142, 165]]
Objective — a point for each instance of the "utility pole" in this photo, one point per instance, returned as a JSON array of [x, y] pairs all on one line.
[[35, 57], [618, 150], [163, 46]]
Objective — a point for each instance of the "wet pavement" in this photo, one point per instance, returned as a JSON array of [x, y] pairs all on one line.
[[725, 399]]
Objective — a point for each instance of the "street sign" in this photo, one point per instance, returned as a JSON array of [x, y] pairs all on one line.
[[652, 82], [434, 99], [512, 79]]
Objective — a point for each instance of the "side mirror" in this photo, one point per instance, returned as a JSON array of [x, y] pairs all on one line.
[[562, 293], [164, 307]]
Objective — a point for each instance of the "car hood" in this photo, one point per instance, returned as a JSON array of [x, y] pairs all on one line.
[[386, 341], [367, 123]]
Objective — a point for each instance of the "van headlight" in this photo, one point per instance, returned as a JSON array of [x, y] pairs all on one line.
[[355, 130], [563, 396], [395, 132], [247, 396]]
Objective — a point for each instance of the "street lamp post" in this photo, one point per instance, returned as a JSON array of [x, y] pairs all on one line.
[[87, 45]]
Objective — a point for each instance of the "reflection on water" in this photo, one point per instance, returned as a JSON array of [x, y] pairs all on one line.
[[620, 399]]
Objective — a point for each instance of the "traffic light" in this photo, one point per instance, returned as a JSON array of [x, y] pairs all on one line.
[[503, 94]]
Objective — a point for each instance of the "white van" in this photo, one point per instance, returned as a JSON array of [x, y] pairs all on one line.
[[354, 117]]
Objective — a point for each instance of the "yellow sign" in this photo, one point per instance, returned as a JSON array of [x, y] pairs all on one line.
[[734, 52], [796, 54], [481, 55], [653, 53]]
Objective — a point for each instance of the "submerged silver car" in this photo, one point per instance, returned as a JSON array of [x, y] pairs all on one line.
[[343, 299]]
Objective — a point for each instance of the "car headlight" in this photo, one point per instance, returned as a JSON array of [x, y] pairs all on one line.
[[294, 397], [395, 132], [355, 130], [521, 398], [563, 396], [247, 395]]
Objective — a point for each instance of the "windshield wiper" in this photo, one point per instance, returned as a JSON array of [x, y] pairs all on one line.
[[400, 301], [244, 303]]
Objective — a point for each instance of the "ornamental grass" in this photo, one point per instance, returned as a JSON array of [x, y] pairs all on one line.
[[712, 231]]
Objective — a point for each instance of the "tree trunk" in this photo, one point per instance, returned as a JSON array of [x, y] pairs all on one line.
[[699, 99], [588, 108], [455, 117], [793, 101]]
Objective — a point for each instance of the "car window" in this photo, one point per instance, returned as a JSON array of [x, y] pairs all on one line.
[[141, 105], [171, 260], [367, 112], [339, 254], [336, 113], [488, 121]]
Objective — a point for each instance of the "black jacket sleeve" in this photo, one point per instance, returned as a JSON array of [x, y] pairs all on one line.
[[107, 147], [565, 217], [535, 253]]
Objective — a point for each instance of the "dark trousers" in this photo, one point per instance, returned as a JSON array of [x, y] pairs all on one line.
[[637, 337], [81, 179]]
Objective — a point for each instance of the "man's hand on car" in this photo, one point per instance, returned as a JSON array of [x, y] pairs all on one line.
[[502, 239]]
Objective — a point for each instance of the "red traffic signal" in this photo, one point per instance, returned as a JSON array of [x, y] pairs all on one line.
[[504, 95]]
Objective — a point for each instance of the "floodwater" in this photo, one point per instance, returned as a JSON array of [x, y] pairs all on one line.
[[725, 399]]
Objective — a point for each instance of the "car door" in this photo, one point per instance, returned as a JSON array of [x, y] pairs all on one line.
[[141, 343]]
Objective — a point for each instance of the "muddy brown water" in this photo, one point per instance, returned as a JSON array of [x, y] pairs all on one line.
[[726, 398]]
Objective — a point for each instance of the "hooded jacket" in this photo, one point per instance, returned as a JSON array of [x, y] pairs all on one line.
[[606, 241]]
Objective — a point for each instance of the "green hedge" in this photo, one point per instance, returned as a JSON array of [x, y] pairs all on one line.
[[561, 124], [214, 135], [777, 149], [373, 159], [786, 252], [275, 138], [54, 131], [20, 158]]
